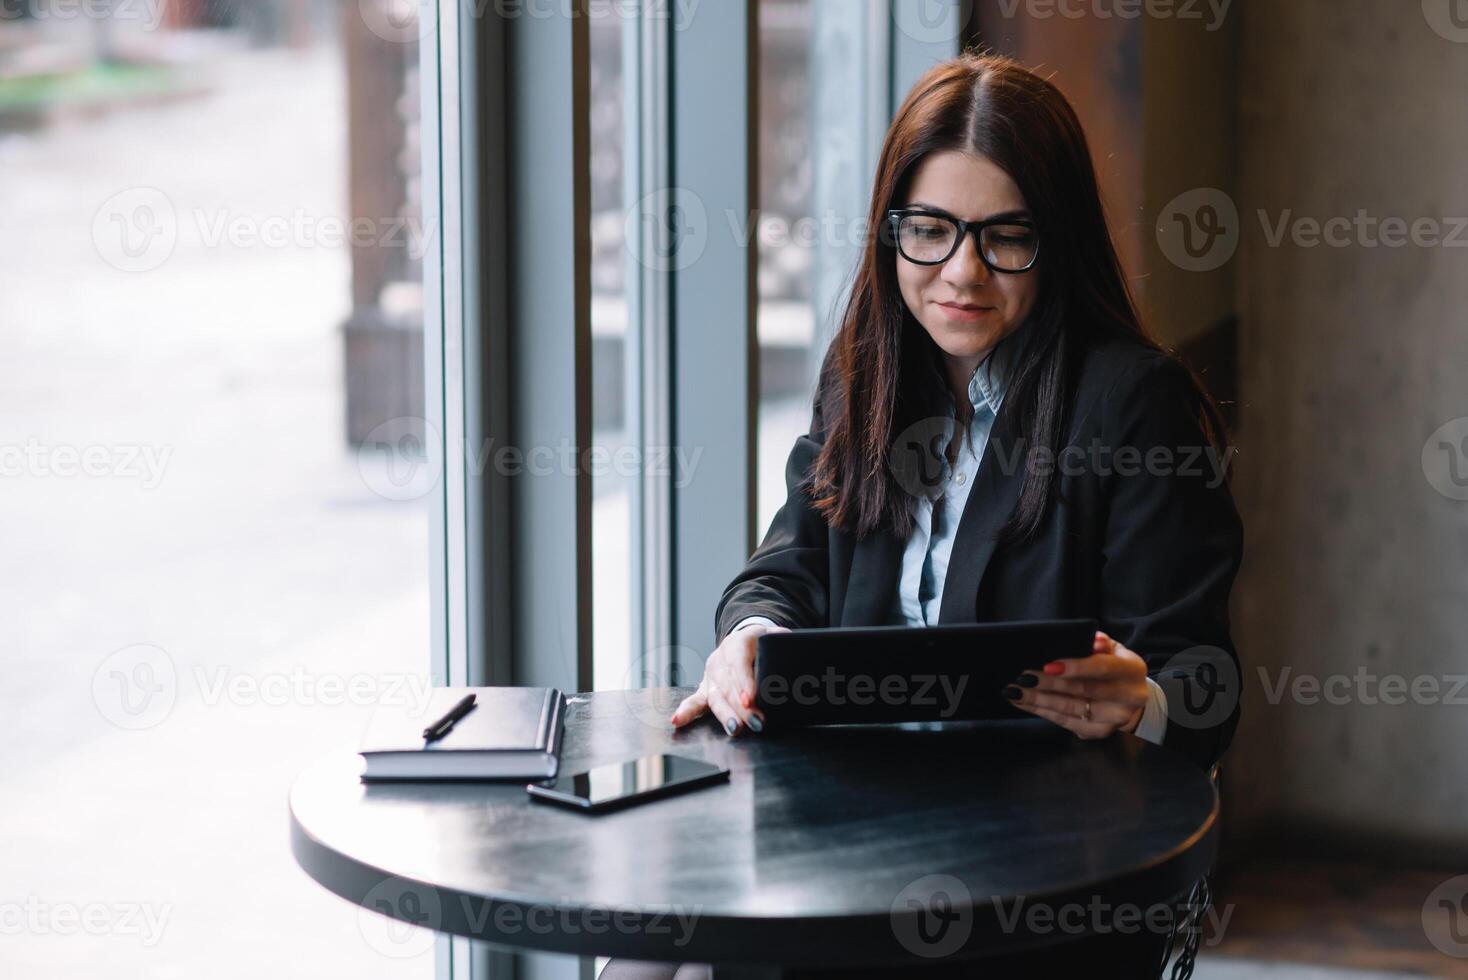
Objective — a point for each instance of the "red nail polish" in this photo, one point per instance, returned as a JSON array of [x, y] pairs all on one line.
[[1055, 668]]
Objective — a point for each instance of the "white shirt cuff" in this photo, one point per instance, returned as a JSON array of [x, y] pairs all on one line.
[[1153, 724], [748, 620]]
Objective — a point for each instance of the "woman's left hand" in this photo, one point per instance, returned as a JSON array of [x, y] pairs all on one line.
[[1093, 696]]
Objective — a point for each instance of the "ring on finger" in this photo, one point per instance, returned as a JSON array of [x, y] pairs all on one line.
[[1086, 715]]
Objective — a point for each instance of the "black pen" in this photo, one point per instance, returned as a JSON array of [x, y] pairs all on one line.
[[442, 727]]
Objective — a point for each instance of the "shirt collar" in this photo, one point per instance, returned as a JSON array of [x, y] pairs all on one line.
[[992, 376]]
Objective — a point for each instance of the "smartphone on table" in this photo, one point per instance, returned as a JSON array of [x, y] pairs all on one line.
[[625, 784]]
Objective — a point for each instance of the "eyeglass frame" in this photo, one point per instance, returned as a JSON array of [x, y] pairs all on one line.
[[965, 228]]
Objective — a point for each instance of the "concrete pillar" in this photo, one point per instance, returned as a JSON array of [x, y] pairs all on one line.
[[1351, 356]]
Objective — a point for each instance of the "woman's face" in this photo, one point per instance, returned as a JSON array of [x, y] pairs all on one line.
[[970, 187]]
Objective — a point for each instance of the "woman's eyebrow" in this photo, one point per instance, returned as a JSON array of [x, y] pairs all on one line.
[[1015, 215]]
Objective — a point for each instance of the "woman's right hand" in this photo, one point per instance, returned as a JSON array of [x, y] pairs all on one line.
[[728, 686]]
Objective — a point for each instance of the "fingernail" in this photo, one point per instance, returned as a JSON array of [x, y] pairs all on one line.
[[755, 724], [1055, 668], [1013, 693], [731, 726], [1027, 680]]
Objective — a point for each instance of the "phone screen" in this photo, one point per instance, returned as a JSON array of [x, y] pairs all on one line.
[[622, 783]]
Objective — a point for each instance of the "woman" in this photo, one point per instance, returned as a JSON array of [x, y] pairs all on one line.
[[995, 437], [1084, 475]]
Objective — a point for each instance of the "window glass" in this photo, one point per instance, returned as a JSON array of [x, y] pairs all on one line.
[[216, 469]]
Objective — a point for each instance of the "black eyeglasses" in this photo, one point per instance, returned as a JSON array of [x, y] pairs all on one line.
[[1005, 244]]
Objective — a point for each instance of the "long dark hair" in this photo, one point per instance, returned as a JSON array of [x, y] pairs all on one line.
[[878, 377]]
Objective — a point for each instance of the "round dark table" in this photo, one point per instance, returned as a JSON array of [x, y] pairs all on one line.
[[829, 847]]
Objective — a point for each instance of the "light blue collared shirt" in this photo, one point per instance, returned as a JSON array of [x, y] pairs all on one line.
[[935, 521]]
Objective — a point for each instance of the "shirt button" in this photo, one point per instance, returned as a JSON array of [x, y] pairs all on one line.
[[959, 479]]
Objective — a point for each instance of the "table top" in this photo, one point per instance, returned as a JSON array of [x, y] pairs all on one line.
[[828, 846]]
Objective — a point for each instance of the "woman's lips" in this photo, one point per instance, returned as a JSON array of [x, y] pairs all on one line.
[[967, 314]]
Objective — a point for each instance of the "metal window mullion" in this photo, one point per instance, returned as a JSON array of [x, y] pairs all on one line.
[[715, 359], [550, 362], [649, 346]]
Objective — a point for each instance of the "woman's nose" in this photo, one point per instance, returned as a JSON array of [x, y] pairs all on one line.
[[964, 267]]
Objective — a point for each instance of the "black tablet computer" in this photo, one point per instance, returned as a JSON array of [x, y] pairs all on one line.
[[902, 673]]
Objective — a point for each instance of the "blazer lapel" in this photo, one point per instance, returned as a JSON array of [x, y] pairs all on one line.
[[991, 500], [876, 564]]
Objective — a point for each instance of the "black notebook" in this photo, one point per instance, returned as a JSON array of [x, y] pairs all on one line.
[[512, 733]]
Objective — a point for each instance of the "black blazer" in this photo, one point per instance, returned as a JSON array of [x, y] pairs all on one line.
[[1150, 551]]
